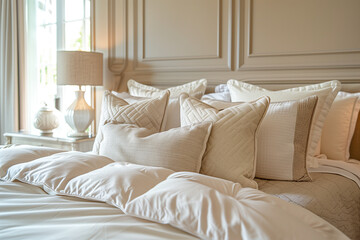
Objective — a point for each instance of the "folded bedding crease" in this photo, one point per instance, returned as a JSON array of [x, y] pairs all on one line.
[[204, 206]]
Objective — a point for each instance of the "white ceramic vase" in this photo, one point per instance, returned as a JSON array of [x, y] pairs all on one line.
[[46, 119]]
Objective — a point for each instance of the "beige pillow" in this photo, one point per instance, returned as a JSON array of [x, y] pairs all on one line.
[[340, 125], [172, 113], [231, 149], [140, 90], [148, 113], [286, 126], [179, 149], [326, 93]]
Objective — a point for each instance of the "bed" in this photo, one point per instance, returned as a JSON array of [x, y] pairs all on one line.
[[158, 193]]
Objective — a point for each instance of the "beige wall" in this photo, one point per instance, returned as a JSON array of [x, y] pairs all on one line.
[[275, 43]]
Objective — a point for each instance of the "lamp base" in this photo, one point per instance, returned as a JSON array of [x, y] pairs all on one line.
[[79, 116]]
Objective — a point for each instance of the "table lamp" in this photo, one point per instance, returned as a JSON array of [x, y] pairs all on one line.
[[79, 68]]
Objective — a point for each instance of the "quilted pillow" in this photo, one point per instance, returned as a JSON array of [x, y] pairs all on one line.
[[148, 113], [326, 93], [179, 149], [340, 125], [231, 149], [172, 115]]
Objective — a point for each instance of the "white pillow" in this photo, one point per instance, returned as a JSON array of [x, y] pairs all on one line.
[[179, 149], [326, 93], [340, 125], [286, 126], [222, 96], [231, 149], [147, 113], [221, 88], [140, 90]]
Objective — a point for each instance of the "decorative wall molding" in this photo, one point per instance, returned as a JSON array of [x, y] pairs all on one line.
[[276, 54], [233, 55], [117, 23], [247, 60], [221, 61], [142, 39]]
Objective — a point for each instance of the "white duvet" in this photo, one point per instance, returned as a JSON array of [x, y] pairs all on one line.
[[207, 207]]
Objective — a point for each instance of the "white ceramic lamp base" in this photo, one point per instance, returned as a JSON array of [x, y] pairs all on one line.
[[79, 115]]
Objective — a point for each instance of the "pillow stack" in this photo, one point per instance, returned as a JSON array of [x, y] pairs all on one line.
[[240, 132], [130, 132], [282, 139]]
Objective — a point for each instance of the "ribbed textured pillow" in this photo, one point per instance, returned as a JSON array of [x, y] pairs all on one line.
[[140, 90], [340, 125], [326, 93], [179, 149], [148, 113], [231, 149], [286, 126]]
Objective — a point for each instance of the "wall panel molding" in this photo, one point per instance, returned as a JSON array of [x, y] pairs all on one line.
[[248, 59], [118, 41], [221, 60]]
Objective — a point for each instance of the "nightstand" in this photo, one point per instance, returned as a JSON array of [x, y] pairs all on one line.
[[83, 144]]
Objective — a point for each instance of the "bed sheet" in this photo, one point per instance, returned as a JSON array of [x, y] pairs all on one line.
[[27, 212], [333, 197]]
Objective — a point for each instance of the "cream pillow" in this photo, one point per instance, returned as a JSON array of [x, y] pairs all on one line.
[[286, 126], [231, 149], [179, 149], [340, 125], [148, 113], [326, 93], [172, 115], [140, 90]]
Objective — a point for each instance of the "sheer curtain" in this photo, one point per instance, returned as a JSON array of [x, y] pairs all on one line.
[[11, 19]]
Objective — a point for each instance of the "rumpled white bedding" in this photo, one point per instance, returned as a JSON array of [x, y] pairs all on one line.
[[207, 207]]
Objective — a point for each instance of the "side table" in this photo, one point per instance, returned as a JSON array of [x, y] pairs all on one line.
[[83, 144]]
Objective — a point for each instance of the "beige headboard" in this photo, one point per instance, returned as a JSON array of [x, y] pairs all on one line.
[[270, 43], [275, 44]]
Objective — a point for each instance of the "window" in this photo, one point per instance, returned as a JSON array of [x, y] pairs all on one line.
[[52, 25]]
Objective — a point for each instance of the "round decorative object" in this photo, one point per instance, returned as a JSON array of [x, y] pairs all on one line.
[[46, 119]]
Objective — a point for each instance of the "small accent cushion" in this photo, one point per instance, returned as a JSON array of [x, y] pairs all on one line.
[[231, 149]]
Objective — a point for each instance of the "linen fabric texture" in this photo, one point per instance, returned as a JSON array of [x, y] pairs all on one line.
[[326, 93], [231, 149]]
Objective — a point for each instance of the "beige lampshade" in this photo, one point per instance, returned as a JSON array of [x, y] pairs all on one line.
[[79, 68]]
